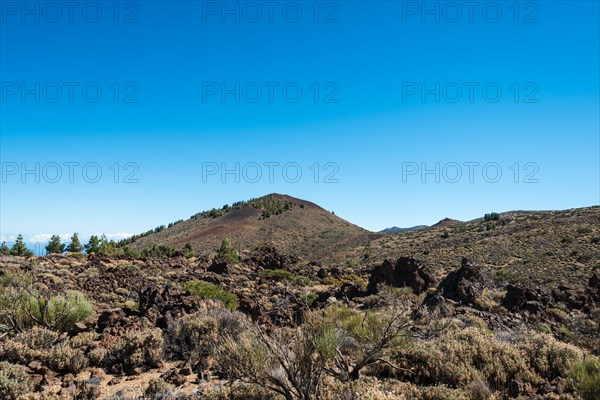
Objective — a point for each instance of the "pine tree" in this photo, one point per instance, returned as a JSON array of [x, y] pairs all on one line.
[[75, 245], [93, 245], [227, 252], [4, 249], [55, 246], [106, 246], [188, 251], [19, 248]]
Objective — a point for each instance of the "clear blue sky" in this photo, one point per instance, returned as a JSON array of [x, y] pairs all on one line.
[[370, 61]]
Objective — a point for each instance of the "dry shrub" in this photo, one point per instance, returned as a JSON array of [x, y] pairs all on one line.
[[194, 337], [368, 388], [97, 355], [549, 357], [339, 342], [157, 387], [142, 348], [480, 360], [235, 391], [190, 333], [460, 356], [441, 392], [45, 346], [586, 377], [371, 388], [290, 362], [14, 381], [479, 390]]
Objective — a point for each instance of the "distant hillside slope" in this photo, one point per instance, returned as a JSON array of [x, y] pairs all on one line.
[[394, 229], [293, 225], [546, 248]]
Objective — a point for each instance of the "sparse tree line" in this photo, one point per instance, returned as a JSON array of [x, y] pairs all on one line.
[[96, 245], [491, 217], [18, 248], [103, 246], [269, 207]]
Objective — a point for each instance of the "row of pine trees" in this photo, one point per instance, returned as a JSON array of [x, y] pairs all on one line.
[[55, 246], [102, 245]]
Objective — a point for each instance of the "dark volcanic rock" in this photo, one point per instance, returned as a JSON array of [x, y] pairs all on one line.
[[349, 291], [251, 307], [573, 297], [579, 299], [219, 267], [537, 301], [519, 298], [174, 377], [268, 257], [110, 318], [166, 303], [109, 280], [407, 271], [463, 286]]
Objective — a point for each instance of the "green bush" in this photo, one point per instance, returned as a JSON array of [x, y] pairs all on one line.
[[58, 312], [188, 251], [586, 377], [309, 298], [211, 291], [543, 327], [159, 252], [504, 275], [330, 280], [132, 268], [22, 306]]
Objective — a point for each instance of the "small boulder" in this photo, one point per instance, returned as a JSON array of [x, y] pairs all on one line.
[[219, 267], [349, 291], [406, 272], [173, 377], [268, 257], [110, 318], [463, 286], [519, 298]]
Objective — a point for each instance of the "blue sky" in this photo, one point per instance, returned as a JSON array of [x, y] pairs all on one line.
[[379, 85]]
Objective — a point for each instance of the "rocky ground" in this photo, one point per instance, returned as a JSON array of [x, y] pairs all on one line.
[[151, 332]]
